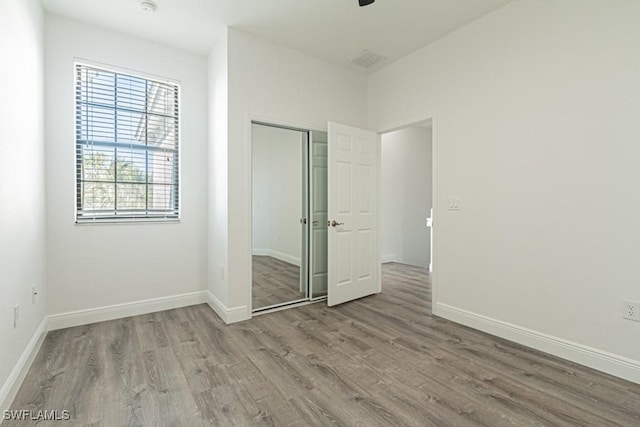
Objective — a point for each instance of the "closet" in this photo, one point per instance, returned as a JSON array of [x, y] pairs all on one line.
[[289, 216], [314, 215]]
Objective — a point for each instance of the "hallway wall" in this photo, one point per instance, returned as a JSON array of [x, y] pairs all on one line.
[[406, 196]]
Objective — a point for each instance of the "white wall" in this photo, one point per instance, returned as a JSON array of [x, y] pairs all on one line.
[[406, 196], [277, 185], [277, 83], [537, 131], [22, 217], [217, 213], [99, 265]]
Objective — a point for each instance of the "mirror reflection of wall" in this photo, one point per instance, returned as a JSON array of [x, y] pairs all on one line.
[[278, 205]]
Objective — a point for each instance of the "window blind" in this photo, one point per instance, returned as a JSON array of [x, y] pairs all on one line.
[[127, 138]]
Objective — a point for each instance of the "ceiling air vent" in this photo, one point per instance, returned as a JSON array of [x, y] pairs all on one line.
[[368, 59]]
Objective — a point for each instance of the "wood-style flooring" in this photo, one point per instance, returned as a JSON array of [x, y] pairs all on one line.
[[274, 282], [379, 361]]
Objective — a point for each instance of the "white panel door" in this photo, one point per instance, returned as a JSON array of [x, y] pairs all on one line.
[[353, 255]]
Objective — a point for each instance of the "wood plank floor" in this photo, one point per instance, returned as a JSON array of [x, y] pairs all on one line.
[[274, 282], [379, 361]]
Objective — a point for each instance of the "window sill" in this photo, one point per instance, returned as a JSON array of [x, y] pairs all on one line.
[[126, 221]]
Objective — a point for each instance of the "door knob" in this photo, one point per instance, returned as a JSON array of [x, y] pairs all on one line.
[[335, 223]]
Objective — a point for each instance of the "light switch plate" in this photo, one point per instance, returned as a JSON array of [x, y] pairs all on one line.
[[454, 203]]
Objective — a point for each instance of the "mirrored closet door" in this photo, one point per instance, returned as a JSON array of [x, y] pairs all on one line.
[[288, 216]]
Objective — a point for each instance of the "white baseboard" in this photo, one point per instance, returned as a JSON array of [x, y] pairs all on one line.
[[17, 375], [118, 311], [286, 258], [600, 360], [277, 255], [388, 258], [228, 315]]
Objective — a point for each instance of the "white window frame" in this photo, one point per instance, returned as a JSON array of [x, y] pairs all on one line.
[[100, 219]]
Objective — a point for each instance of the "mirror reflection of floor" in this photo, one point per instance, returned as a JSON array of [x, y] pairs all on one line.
[[274, 282]]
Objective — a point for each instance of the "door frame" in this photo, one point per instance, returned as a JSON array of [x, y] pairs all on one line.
[[250, 119], [408, 122]]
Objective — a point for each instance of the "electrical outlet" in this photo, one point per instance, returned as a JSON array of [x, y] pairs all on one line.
[[631, 310], [16, 315]]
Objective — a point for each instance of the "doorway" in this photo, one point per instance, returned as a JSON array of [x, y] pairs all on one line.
[[407, 193]]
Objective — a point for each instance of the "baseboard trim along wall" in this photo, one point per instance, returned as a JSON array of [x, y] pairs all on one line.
[[15, 379], [600, 360], [118, 311], [388, 258], [228, 315], [277, 255]]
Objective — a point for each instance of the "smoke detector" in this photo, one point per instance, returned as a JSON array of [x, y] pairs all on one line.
[[148, 6], [368, 59]]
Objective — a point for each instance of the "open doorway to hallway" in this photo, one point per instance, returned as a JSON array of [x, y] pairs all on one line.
[[406, 196]]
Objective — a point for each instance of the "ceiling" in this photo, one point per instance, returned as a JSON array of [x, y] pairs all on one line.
[[335, 30]]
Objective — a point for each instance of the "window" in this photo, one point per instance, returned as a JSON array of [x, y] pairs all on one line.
[[127, 164]]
